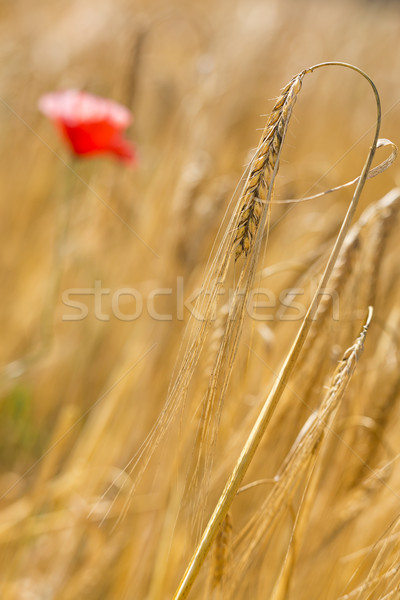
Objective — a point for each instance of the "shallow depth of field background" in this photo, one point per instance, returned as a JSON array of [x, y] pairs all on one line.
[[79, 397]]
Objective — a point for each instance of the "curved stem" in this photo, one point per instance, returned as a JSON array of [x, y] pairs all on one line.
[[275, 394]]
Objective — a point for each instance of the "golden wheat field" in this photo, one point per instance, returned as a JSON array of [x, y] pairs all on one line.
[[200, 376]]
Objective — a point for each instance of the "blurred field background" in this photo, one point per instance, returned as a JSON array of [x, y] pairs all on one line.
[[78, 398]]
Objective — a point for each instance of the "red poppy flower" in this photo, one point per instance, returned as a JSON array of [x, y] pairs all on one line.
[[91, 125]]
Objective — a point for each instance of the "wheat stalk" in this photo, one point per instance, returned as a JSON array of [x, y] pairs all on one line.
[[385, 570], [273, 398], [258, 186], [380, 216], [300, 456]]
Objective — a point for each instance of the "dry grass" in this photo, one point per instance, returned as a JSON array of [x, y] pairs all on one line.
[[118, 435]]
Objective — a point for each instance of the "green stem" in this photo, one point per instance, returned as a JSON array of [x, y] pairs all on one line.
[[275, 394], [63, 218]]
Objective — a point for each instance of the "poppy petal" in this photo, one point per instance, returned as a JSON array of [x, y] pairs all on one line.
[[90, 124]]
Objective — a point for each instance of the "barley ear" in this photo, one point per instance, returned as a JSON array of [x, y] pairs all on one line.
[[281, 381], [221, 553], [265, 161]]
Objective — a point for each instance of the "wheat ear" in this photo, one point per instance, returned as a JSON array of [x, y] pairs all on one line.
[[221, 553], [273, 397], [381, 215], [255, 193], [300, 457]]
